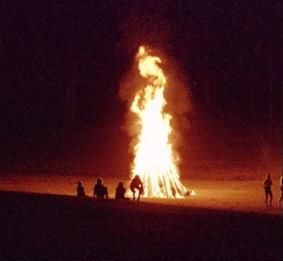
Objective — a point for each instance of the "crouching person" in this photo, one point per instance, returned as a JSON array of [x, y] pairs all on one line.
[[136, 185]]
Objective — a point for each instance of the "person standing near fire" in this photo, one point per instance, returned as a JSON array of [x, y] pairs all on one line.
[[281, 188], [268, 191]]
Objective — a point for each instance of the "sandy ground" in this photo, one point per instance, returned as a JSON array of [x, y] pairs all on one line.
[[245, 195], [56, 227]]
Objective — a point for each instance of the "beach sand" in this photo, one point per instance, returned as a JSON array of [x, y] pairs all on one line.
[[226, 221]]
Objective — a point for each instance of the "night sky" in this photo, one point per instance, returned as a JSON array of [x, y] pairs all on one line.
[[62, 63]]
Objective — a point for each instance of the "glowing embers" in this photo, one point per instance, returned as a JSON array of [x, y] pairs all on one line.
[[154, 158]]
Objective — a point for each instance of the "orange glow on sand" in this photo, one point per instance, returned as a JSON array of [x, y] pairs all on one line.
[[154, 158]]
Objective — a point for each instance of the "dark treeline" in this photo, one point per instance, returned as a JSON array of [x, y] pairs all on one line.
[[62, 62]]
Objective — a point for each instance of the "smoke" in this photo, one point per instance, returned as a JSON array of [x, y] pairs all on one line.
[[179, 103]]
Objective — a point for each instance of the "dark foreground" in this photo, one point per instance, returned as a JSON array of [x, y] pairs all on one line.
[[50, 226]]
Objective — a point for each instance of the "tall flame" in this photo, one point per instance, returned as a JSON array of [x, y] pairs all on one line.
[[154, 158]]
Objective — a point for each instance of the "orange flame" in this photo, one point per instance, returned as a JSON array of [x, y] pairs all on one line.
[[154, 158]]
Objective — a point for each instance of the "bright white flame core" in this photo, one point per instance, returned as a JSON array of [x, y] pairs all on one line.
[[154, 161]]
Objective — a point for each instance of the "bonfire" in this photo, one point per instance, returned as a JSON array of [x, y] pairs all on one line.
[[155, 158]]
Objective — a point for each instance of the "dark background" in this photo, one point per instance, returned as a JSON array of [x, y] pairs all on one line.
[[62, 62]]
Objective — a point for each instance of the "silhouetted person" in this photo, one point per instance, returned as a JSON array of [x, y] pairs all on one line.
[[281, 188], [80, 190], [120, 191], [99, 190], [268, 192], [136, 184]]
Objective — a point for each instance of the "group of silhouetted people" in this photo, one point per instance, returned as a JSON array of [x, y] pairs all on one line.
[[100, 191], [267, 185]]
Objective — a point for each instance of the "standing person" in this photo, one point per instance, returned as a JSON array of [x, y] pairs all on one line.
[[267, 189], [99, 190], [80, 190], [281, 188], [136, 184]]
